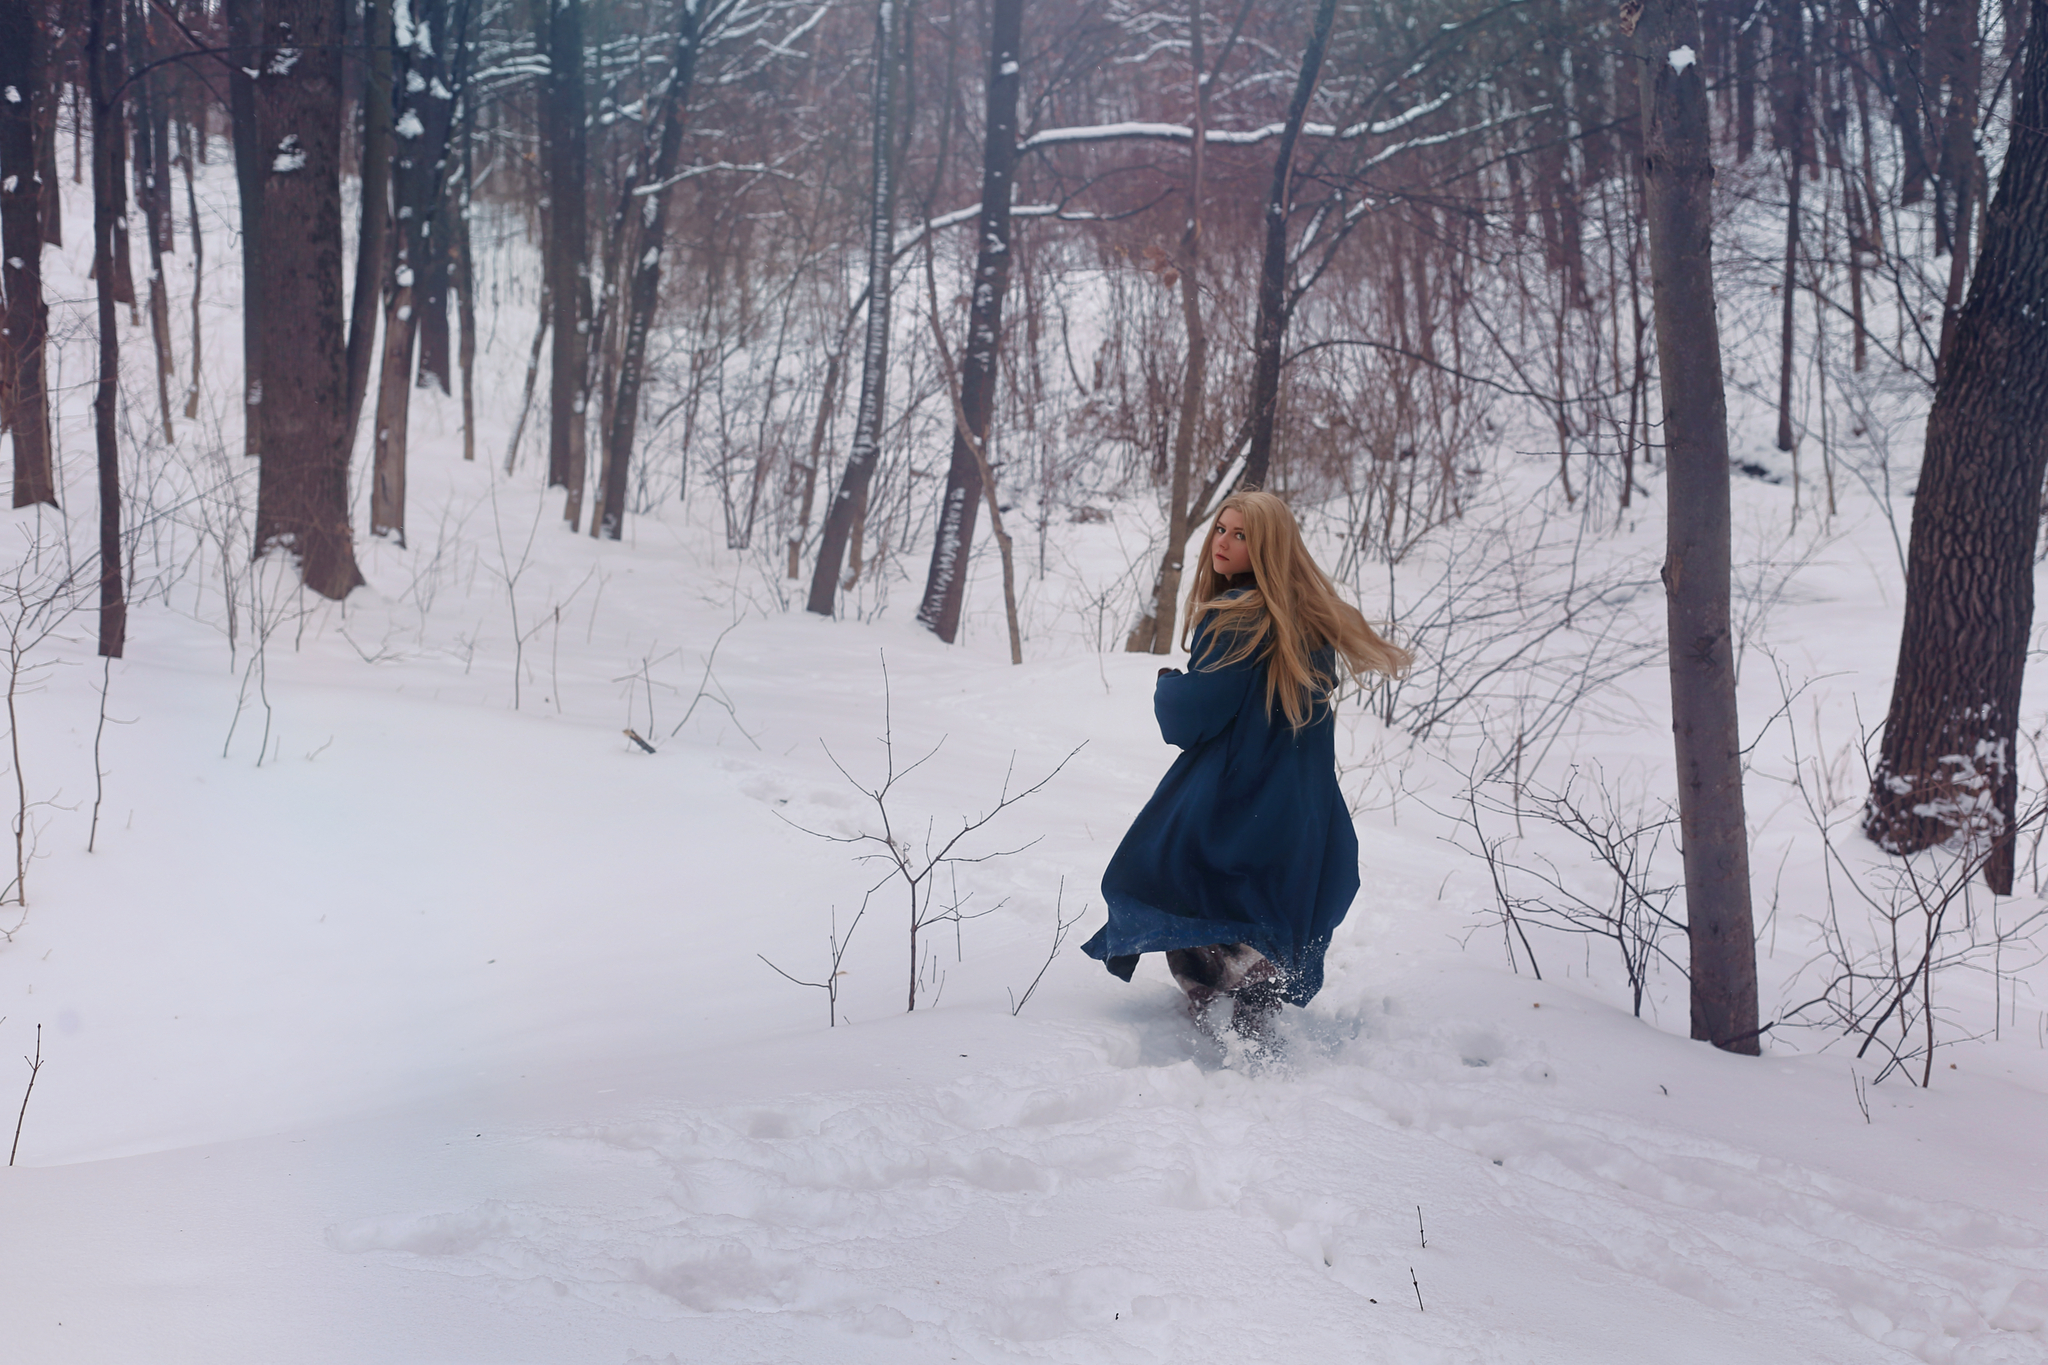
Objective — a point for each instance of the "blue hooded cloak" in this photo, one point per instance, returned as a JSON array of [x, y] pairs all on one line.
[[1246, 840]]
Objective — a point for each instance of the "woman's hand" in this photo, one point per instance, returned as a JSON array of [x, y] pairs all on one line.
[[1164, 671]]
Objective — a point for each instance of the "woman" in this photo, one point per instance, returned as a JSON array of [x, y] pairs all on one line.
[[1244, 860]]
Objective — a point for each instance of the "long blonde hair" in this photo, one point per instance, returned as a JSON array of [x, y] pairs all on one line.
[[1292, 611]]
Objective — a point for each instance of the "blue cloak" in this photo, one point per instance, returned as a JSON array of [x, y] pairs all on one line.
[[1246, 840]]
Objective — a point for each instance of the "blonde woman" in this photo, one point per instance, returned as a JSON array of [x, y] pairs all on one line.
[[1244, 861]]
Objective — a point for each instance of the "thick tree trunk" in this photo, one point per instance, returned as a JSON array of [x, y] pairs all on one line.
[[1946, 767], [851, 496], [374, 216], [302, 493], [24, 400], [1678, 179], [245, 57], [568, 276], [1270, 333], [644, 292], [105, 72], [49, 81], [946, 581], [1154, 631]]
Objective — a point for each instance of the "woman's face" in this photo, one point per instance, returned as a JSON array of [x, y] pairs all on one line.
[[1229, 554]]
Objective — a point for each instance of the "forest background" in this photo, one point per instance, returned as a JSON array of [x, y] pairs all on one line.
[[343, 339]]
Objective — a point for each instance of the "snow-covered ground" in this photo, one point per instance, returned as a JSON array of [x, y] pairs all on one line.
[[398, 1015]]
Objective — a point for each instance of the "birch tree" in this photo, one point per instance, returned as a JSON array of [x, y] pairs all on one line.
[[946, 580], [874, 374]]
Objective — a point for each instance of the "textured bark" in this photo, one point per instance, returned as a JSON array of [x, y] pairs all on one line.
[[1270, 332], [245, 30], [644, 292], [50, 84], [851, 497], [302, 491], [568, 252], [1678, 180], [24, 400], [374, 216], [946, 581], [1945, 766], [104, 73]]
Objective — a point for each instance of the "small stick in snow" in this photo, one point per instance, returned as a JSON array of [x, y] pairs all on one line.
[[1419, 1229], [639, 741], [35, 1064], [1418, 1290]]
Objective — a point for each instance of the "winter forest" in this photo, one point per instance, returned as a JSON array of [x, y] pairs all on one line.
[[579, 624]]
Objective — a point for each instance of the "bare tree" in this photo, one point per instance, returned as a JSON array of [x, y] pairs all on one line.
[[1154, 631], [1946, 765], [649, 195], [1678, 179], [946, 581], [373, 216], [105, 64], [874, 374], [302, 491], [568, 255], [24, 402], [1270, 333], [244, 66]]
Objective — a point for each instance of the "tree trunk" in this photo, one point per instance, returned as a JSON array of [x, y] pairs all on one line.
[[851, 496], [568, 277], [394, 410], [1270, 334], [1154, 631], [245, 57], [445, 66], [105, 67], [152, 185], [116, 31], [805, 482], [24, 400], [1793, 30], [375, 210], [302, 493], [1946, 766], [644, 292], [465, 281], [187, 150], [946, 580], [1678, 178], [48, 80]]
